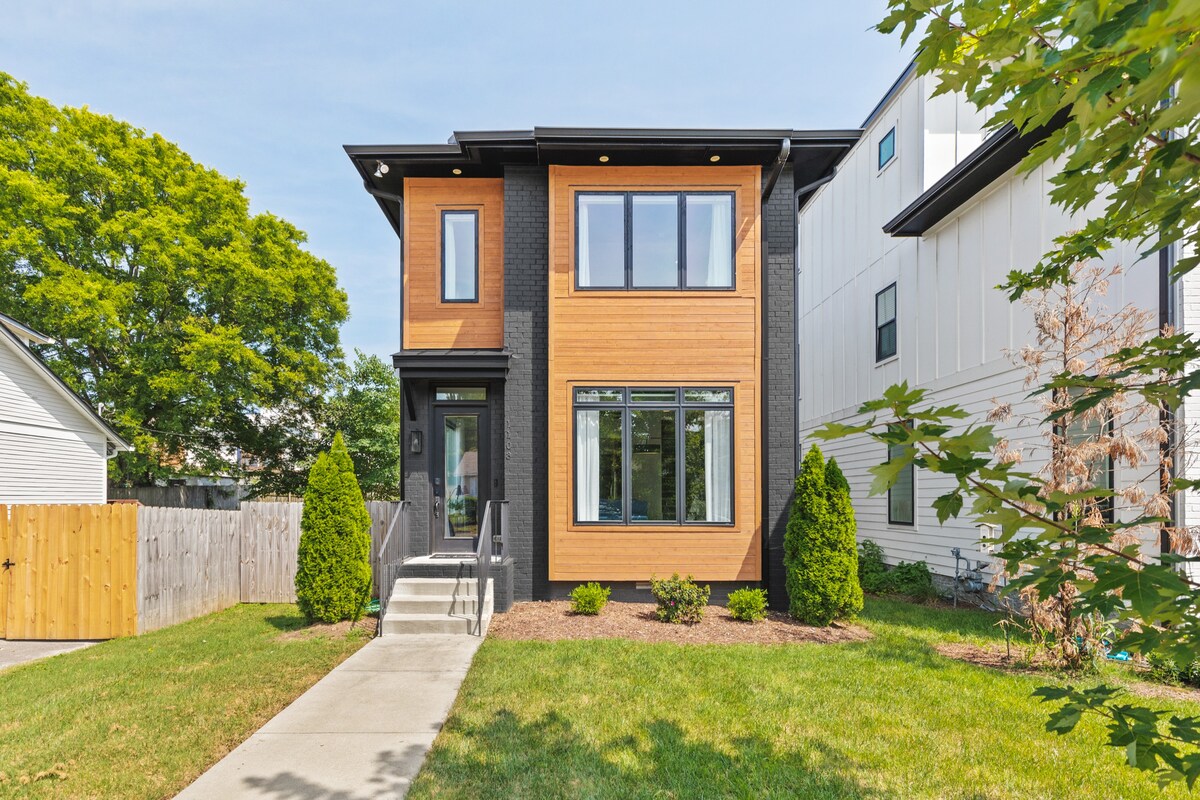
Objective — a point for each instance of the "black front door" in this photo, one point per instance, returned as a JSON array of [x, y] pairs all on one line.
[[460, 476]]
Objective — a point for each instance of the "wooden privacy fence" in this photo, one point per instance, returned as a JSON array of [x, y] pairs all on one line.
[[100, 571]]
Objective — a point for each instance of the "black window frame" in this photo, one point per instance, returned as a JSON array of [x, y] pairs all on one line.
[[681, 405], [880, 161], [473, 212], [912, 482], [1107, 504], [681, 284], [879, 326]]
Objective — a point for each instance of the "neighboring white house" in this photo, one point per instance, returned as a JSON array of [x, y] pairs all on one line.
[[957, 219], [54, 448]]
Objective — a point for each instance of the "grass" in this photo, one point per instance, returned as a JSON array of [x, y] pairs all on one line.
[[888, 718], [141, 717]]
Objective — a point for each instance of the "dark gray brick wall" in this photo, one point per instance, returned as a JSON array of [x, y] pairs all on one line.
[[779, 371], [526, 294], [416, 468]]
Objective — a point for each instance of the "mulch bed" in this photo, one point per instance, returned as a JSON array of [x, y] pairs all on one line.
[[553, 620], [996, 658], [332, 630]]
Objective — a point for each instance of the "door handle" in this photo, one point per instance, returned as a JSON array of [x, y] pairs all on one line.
[[437, 507]]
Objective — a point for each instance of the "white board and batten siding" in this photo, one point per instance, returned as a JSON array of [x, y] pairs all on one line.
[[953, 326], [50, 450]]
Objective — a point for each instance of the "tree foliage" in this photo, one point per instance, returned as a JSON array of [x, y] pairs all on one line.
[[820, 553], [198, 326], [1114, 87], [365, 409], [333, 570]]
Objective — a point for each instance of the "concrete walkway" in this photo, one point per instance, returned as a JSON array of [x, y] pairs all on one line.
[[361, 733], [19, 651]]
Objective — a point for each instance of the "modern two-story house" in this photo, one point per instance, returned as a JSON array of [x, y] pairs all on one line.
[[598, 327], [631, 335]]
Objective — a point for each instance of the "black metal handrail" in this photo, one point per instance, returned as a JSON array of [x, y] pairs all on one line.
[[393, 551], [485, 551]]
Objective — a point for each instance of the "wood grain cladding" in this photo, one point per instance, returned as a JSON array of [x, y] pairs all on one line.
[[655, 338], [428, 322]]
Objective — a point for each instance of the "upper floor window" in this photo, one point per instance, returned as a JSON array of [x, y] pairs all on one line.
[[654, 240], [887, 148], [885, 323], [460, 256]]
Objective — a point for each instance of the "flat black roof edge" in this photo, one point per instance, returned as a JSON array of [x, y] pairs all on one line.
[[999, 153]]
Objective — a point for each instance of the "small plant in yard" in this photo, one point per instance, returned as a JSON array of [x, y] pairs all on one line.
[[748, 605], [589, 598], [911, 580], [679, 599], [333, 570], [819, 554]]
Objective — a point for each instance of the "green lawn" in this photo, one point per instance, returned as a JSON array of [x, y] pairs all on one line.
[[142, 717], [889, 718]]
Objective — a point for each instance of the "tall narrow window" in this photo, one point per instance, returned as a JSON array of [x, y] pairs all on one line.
[[1083, 435], [600, 224], [655, 241], [709, 241], [600, 473], [460, 256], [902, 495], [654, 455], [885, 323], [887, 148]]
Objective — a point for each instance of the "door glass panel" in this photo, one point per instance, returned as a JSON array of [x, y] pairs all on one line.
[[653, 468], [461, 473]]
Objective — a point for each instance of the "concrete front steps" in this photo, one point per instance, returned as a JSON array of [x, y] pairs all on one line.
[[437, 605]]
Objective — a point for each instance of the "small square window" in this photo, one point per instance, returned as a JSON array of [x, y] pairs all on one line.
[[887, 148], [885, 323]]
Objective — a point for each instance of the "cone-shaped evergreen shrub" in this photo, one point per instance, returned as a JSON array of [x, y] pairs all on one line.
[[819, 549], [333, 573]]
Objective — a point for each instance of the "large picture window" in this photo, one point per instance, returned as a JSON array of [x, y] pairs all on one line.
[[654, 240], [654, 455]]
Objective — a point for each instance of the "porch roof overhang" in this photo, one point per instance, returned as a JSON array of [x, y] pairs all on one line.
[[812, 154], [452, 364]]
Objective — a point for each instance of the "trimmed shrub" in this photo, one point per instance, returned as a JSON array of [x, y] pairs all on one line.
[[679, 600], [333, 570], [819, 552], [911, 580], [748, 605], [589, 598]]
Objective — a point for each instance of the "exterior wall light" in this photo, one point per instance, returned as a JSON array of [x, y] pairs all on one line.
[[381, 169]]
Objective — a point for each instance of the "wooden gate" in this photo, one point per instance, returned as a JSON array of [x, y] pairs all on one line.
[[71, 571]]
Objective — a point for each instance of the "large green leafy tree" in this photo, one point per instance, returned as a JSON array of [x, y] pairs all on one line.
[[198, 326], [1123, 78], [365, 408]]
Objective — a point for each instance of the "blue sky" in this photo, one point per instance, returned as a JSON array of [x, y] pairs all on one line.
[[269, 91]]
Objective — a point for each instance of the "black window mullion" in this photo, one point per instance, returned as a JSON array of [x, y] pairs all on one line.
[[626, 465], [629, 240], [680, 460], [681, 272]]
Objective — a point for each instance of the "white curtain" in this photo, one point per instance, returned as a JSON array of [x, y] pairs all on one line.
[[719, 245], [450, 257], [587, 462], [584, 267], [717, 483]]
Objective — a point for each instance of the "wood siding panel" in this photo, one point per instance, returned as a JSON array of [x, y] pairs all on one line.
[[662, 338], [428, 322]]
